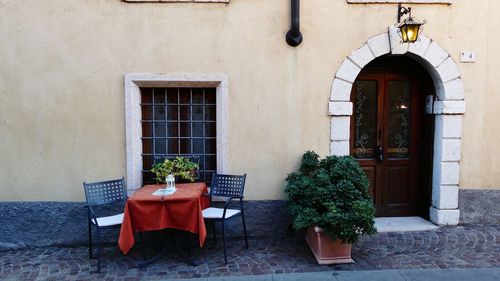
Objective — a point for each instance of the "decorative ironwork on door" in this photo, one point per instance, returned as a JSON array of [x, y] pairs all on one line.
[[398, 123], [365, 108]]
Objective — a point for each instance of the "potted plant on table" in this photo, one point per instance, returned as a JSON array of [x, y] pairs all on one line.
[[183, 169], [329, 199]]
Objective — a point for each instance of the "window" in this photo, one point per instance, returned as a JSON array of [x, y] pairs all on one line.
[[134, 82], [178, 122]]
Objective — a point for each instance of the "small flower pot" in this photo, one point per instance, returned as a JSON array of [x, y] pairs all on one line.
[[326, 250]]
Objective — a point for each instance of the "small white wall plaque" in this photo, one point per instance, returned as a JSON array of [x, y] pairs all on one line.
[[467, 57]]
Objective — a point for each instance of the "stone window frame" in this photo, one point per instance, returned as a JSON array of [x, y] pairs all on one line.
[[176, 1], [448, 2], [449, 109], [133, 128]]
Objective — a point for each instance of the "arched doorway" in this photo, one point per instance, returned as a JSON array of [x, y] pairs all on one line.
[[447, 109], [392, 134]]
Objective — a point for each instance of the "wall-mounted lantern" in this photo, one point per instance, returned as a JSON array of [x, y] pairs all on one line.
[[410, 28]]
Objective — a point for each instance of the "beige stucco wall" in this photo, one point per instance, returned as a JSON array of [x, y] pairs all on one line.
[[62, 97], [480, 159]]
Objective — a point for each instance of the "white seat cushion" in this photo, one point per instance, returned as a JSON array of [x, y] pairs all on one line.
[[216, 213], [110, 220]]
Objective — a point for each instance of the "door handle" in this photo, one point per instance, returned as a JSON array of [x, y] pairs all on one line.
[[380, 153]]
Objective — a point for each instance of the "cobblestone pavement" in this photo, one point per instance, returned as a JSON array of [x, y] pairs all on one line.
[[451, 247]]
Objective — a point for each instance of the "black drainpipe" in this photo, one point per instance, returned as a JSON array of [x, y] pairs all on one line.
[[293, 36]]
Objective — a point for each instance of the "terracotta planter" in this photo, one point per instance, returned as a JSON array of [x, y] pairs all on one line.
[[326, 250]]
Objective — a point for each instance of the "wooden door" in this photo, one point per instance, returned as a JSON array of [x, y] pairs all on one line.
[[385, 134]]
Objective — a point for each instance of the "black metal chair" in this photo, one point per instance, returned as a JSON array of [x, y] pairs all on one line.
[[101, 196], [232, 187]]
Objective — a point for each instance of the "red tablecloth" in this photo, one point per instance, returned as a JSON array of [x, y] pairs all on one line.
[[181, 210]]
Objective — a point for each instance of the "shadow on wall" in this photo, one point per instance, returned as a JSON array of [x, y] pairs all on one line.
[[266, 218], [39, 224], [479, 206]]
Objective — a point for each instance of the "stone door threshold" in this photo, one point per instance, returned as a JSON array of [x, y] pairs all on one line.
[[398, 224]]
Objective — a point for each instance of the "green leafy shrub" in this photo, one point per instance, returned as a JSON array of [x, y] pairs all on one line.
[[331, 193], [181, 168]]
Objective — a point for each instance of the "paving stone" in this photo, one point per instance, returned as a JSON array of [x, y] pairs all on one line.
[[444, 248]]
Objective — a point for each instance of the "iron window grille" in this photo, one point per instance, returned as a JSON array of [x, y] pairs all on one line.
[[178, 122]]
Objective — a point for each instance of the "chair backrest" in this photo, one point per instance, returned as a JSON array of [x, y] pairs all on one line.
[[105, 192], [227, 185]]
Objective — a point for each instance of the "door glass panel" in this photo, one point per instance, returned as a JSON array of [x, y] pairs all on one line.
[[365, 119], [399, 119]]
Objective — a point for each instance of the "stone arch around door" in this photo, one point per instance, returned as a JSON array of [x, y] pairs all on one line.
[[449, 108]]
